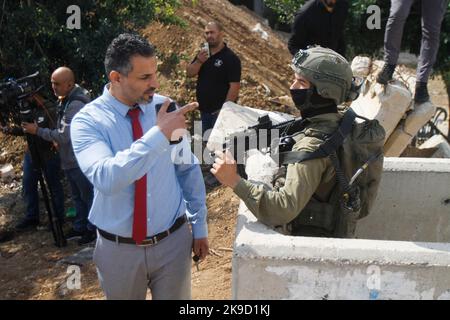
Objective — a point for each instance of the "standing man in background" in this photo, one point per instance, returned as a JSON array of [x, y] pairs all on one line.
[[432, 15], [219, 75], [71, 98], [320, 22]]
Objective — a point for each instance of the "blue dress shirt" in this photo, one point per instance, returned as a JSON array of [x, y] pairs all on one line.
[[102, 140]]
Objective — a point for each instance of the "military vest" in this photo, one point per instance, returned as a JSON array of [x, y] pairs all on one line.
[[356, 153]]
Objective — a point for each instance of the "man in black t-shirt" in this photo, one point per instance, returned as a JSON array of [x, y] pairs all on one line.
[[219, 75], [320, 22]]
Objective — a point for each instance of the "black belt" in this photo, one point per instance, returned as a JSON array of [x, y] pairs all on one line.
[[147, 241]]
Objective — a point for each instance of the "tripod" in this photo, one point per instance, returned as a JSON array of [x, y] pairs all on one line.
[[38, 165]]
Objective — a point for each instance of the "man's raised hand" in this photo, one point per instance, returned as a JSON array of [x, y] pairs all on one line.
[[173, 124]]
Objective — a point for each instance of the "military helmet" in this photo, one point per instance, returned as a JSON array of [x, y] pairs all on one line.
[[327, 70]]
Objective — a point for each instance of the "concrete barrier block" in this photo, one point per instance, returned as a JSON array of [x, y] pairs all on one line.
[[234, 118], [407, 129], [412, 204], [361, 66], [403, 251], [439, 142], [267, 265], [386, 104], [260, 167]]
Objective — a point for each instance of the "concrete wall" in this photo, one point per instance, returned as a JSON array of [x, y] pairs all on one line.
[[413, 202], [268, 265]]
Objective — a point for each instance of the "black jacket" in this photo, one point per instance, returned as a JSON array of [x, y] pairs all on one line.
[[313, 25]]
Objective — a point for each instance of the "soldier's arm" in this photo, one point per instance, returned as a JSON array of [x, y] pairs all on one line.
[[282, 206]]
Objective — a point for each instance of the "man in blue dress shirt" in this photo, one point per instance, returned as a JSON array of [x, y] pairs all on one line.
[[133, 164]]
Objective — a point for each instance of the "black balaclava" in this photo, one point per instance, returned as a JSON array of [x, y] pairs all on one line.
[[311, 104]]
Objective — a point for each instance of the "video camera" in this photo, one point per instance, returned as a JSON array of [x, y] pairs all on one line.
[[13, 93]]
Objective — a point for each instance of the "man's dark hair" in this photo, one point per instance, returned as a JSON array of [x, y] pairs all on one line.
[[122, 48]]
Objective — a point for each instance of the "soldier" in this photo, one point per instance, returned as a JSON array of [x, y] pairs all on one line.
[[306, 202]]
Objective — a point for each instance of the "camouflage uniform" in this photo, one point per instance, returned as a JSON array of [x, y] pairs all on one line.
[[306, 182], [306, 201]]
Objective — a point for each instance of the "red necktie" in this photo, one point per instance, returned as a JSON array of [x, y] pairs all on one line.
[[140, 193]]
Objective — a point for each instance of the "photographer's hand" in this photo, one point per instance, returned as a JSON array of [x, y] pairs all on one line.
[[29, 127]]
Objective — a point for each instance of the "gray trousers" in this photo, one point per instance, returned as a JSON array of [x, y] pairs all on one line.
[[432, 15], [125, 271]]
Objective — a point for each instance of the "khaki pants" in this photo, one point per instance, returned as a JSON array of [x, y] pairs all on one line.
[[125, 271]]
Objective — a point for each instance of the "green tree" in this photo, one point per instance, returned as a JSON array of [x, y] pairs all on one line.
[[34, 35]]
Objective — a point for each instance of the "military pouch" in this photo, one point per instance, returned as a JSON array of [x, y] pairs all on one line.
[[346, 224], [315, 214]]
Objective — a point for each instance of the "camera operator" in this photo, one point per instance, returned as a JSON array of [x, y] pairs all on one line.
[[50, 168], [71, 98]]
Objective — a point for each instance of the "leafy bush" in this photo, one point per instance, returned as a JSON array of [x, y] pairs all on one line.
[[34, 36]]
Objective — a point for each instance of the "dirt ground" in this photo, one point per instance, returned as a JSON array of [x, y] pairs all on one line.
[[29, 267]]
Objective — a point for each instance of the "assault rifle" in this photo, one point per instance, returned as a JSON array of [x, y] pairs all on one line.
[[263, 136]]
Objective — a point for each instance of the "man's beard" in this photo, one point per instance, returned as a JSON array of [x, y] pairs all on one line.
[[213, 44], [329, 4], [144, 100]]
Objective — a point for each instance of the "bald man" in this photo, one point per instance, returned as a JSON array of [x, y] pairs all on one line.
[[63, 81], [71, 98]]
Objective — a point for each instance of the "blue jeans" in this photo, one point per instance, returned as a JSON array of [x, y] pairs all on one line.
[[208, 120], [82, 196], [51, 171]]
